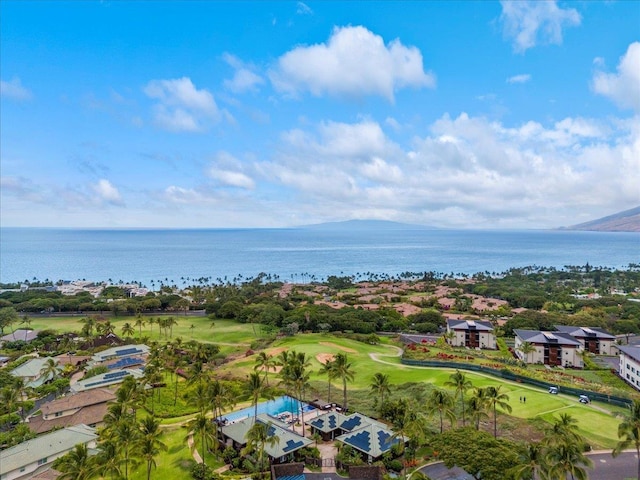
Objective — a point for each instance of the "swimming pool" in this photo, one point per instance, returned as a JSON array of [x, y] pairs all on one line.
[[272, 407]]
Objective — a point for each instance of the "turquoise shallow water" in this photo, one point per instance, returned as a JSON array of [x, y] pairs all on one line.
[[182, 256]]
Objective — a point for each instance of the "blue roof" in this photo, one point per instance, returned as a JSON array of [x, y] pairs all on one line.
[[352, 422], [126, 362], [292, 445]]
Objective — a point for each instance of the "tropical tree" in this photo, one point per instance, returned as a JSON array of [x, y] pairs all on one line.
[[568, 459], [328, 370], [89, 323], [49, 370], [629, 432], [461, 384], [264, 362], [296, 377], [220, 397], [149, 442], [77, 464], [139, 323], [203, 427], [343, 371], [526, 348], [380, 385], [532, 463], [477, 406], [108, 460], [496, 399], [258, 439], [128, 330], [442, 402], [255, 388], [8, 316], [26, 321], [126, 434]]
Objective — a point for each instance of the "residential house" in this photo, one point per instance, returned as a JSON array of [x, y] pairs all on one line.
[[28, 459], [112, 355], [593, 340], [87, 407], [551, 348], [630, 365], [235, 435], [20, 334], [472, 334], [32, 372], [105, 379]]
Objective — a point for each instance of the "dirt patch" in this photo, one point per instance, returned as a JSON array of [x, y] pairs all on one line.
[[276, 351], [344, 349], [325, 357]]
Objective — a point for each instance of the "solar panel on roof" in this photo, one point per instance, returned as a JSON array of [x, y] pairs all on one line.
[[127, 351], [384, 440], [333, 422], [292, 445], [351, 423], [361, 441]]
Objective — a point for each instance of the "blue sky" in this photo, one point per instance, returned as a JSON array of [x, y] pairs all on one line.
[[269, 114]]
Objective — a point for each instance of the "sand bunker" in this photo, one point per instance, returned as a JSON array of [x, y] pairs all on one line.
[[325, 357], [344, 349]]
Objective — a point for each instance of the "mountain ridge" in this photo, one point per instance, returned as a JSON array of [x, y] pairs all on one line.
[[625, 221]]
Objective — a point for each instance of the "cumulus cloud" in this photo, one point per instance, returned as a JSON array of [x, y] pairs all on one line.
[[522, 78], [623, 87], [14, 90], [180, 105], [466, 172], [244, 78], [354, 62], [107, 192], [227, 171], [532, 22]]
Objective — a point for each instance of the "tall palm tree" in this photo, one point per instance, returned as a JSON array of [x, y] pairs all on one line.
[[149, 443], [496, 399], [128, 330], [264, 362], [49, 370], [344, 372], [568, 458], [532, 463], [295, 375], [203, 427], [629, 432], [139, 323], [89, 323], [442, 402], [220, 397], [526, 348], [328, 370], [126, 435], [477, 406], [108, 459], [257, 439], [26, 321], [77, 464], [255, 389], [461, 384], [380, 386]]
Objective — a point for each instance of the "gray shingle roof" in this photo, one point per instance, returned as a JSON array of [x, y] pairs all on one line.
[[630, 351], [585, 332], [549, 338], [44, 446], [476, 325]]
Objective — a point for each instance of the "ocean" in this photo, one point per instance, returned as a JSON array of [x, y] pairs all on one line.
[[182, 257]]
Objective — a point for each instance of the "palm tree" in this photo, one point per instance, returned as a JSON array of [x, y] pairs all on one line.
[[477, 406], [128, 330], [256, 388], [206, 429], [629, 432], [49, 370], [496, 399], [328, 370], [257, 439], [564, 429], [380, 385], [77, 464], [126, 435], [219, 397], [568, 458], [459, 382], [295, 376], [139, 323], [345, 373], [27, 322], [149, 443], [264, 362], [108, 459], [89, 325], [526, 348], [532, 463], [442, 402]]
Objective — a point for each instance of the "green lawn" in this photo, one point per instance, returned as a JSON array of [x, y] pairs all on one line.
[[175, 463]]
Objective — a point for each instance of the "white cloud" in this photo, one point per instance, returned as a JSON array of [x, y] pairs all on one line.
[[107, 192], [531, 22], [244, 78], [303, 9], [228, 171], [14, 90], [354, 62], [181, 106], [522, 78], [622, 87]]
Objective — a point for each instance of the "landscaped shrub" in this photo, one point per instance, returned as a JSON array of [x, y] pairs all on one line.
[[201, 471]]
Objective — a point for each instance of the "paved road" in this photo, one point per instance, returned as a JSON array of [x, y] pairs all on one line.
[[605, 467]]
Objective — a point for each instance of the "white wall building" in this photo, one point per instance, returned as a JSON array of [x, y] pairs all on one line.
[[472, 334], [593, 340], [551, 348], [630, 365]]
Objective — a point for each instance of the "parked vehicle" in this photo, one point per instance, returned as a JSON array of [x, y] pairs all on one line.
[[553, 390], [583, 399]]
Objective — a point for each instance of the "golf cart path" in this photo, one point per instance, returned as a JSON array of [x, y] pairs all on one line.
[[398, 353]]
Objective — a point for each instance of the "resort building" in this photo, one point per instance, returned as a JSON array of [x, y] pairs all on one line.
[[112, 356], [32, 372], [106, 379], [593, 340], [28, 459], [472, 334], [235, 435], [630, 365], [550, 348], [20, 334], [87, 407]]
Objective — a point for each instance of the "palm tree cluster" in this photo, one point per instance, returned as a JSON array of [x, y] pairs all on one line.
[[339, 368], [124, 441]]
